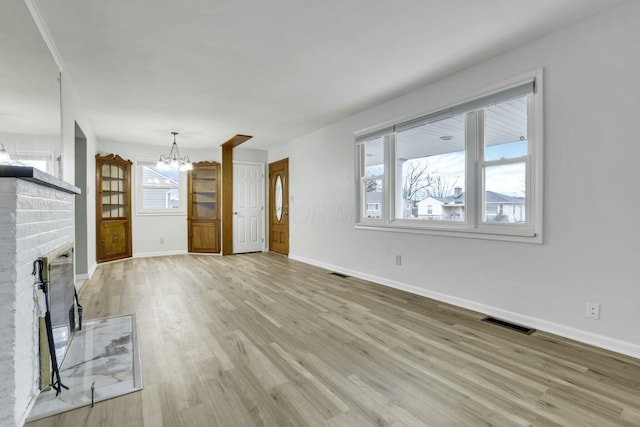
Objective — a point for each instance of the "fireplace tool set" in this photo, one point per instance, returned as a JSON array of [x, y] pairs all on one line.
[[44, 311]]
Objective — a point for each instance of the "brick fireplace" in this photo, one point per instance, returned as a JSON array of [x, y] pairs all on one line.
[[36, 217]]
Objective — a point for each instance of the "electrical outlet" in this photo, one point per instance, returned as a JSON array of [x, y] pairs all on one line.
[[593, 310], [398, 259], [162, 240]]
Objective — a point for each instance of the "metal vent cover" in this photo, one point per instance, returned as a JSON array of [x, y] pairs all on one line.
[[344, 276], [514, 327]]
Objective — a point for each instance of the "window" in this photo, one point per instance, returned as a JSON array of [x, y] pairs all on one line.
[[159, 191], [504, 162], [372, 177], [430, 156], [42, 160], [473, 168]]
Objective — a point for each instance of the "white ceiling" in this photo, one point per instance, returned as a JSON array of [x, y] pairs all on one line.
[[273, 69], [29, 86]]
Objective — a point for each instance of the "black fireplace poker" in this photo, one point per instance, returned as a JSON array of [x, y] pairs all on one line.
[[79, 307]]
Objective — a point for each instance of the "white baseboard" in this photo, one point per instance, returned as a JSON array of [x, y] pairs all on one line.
[[619, 346], [92, 269], [81, 279]]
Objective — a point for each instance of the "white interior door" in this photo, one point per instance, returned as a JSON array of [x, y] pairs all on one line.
[[248, 207]]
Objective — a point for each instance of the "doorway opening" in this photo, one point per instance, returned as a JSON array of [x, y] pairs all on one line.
[[81, 214]]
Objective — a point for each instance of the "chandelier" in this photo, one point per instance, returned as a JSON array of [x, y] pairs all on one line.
[[4, 156], [173, 160]]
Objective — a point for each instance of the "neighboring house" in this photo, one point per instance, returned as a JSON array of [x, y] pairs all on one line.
[[160, 189], [373, 205], [503, 208], [410, 209], [430, 208], [453, 206], [499, 207], [449, 208]]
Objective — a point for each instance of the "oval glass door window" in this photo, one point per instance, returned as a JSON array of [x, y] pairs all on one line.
[[278, 197]]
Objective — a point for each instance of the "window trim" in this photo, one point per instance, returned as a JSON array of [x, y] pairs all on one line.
[[182, 188], [360, 172], [482, 167], [474, 225], [26, 156]]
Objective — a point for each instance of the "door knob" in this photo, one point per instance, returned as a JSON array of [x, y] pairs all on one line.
[[235, 213]]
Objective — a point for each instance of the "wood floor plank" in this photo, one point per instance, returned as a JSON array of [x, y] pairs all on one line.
[[261, 340]]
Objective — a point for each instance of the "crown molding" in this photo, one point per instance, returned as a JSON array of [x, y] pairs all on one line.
[[44, 32]]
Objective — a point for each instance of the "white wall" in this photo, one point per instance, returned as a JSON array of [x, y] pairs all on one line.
[[147, 230], [589, 252], [41, 219], [249, 155], [72, 112]]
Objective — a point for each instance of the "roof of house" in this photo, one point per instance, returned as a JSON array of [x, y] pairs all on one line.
[[374, 197], [152, 176], [491, 197]]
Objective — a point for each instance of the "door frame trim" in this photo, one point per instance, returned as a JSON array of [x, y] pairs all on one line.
[[227, 189]]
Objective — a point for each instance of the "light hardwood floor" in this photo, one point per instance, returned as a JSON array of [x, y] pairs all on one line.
[[260, 340]]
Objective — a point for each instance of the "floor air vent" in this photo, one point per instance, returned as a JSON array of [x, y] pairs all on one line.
[[509, 325], [344, 276]]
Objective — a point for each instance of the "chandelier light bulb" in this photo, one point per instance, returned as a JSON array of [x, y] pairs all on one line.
[[173, 160], [4, 156]]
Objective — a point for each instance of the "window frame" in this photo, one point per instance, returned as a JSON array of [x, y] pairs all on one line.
[[409, 223], [26, 157], [361, 202], [181, 210], [474, 224]]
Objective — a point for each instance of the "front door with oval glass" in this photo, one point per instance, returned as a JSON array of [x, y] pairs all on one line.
[[279, 206]]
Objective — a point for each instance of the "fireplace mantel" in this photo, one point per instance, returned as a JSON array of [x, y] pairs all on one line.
[[37, 176]]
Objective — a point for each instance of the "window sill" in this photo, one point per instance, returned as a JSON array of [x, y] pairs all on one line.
[[522, 235]]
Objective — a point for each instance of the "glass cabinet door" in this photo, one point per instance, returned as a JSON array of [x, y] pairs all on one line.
[[203, 196], [203, 220], [113, 191], [113, 208]]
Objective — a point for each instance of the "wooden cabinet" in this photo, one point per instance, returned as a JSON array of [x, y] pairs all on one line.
[[204, 207], [113, 208]]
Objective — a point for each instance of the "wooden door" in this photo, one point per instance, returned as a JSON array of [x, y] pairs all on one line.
[[113, 208], [279, 206], [204, 236], [114, 235], [248, 207]]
